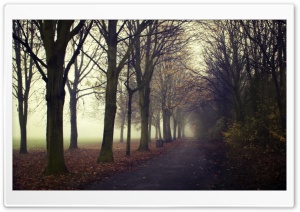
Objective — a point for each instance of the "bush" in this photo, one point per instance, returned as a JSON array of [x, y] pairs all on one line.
[[243, 133], [215, 132], [254, 131]]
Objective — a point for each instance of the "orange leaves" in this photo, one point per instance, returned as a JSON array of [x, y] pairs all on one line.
[[82, 166]]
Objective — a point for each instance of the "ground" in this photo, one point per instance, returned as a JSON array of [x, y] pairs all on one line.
[[184, 164]]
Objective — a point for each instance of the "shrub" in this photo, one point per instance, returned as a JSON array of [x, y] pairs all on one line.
[[243, 133], [215, 132], [254, 131]]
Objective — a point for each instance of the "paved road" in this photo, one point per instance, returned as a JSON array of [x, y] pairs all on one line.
[[183, 168]]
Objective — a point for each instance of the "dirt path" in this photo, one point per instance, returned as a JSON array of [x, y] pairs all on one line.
[[183, 168]]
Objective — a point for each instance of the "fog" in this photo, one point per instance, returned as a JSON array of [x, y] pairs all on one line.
[[90, 127], [89, 130]]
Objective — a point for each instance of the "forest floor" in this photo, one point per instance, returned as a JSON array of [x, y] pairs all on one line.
[[179, 165]]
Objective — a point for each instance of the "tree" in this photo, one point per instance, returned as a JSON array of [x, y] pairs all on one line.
[[24, 71], [122, 110], [173, 87], [162, 37], [269, 36], [245, 79], [79, 87], [56, 36], [111, 35]]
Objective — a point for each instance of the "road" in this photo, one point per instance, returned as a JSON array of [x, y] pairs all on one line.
[[183, 168]]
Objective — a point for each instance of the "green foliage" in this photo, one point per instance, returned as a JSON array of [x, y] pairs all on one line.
[[240, 133], [263, 129]]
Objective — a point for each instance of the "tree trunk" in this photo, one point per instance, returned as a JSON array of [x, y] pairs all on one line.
[[106, 154], [182, 133], [166, 125], [73, 121], [150, 127], [23, 129], [144, 100], [122, 130], [129, 123], [174, 127], [179, 130], [21, 99], [156, 132], [22, 109], [282, 79], [55, 103], [159, 131]]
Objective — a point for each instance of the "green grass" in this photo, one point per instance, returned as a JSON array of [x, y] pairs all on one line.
[[31, 143], [41, 143]]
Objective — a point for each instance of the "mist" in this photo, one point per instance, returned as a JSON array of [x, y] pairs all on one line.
[[90, 130]]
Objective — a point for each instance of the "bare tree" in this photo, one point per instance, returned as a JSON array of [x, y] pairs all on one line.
[[55, 36], [79, 86], [23, 75], [111, 35]]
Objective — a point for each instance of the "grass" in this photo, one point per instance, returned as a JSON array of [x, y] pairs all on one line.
[[41, 143]]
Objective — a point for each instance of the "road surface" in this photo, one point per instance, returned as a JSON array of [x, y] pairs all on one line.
[[183, 168]]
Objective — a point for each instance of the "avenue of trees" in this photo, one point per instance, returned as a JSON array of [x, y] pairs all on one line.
[[147, 74], [244, 82]]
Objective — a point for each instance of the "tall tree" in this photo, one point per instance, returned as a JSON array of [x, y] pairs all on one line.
[[23, 75], [269, 36], [161, 38], [79, 86], [122, 110], [56, 35], [111, 35]]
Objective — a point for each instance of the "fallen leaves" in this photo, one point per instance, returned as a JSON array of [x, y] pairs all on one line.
[[238, 168], [231, 168], [82, 166]]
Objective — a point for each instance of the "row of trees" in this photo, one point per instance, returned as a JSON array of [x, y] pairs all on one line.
[[144, 70], [244, 80], [115, 54]]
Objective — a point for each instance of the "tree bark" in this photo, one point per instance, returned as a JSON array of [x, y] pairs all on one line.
[[166, 125], [129, 123], [174, 127], [122, 130], [144, 101], [179, 130], [106, 154], [150, 120], [183, 131], [150, 127], [159, 131], [73, 121], [55, 103]]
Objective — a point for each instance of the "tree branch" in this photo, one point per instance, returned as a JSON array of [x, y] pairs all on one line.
[[34, 57], [93, 92], [77, 29], [76, 53]]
